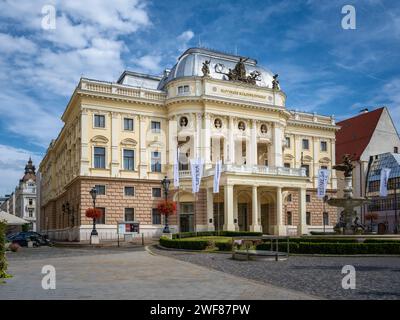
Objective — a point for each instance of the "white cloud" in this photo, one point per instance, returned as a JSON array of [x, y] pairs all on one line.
[[11, 45], [149, 63], [184, 39], [12, 164]]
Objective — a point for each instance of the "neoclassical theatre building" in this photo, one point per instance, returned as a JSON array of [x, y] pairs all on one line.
[[123, 137]]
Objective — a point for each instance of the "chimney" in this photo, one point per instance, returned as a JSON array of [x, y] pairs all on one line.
[[364, 110]]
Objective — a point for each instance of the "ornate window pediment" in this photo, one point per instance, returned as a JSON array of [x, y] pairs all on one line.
[[325, 160], [99, 139], [288, 157], [307, 159], [129, 142], [156, 144]]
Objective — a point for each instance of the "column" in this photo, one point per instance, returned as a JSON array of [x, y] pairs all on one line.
[[210, 210], [280, 227], [85, 154], [231, 143], [315, 166], [277, 145], [253, 143], [172, 142], [206, 134], [142, 145], [235, 211], [256, 227], [302, 225], [115, 128], [228, 207], [333, 162], [197, 140]]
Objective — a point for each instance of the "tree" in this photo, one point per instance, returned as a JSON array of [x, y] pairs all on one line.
[[3, 260]]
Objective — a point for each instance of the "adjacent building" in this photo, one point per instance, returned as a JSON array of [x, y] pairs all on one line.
[[22, 202], [370, 133], [124, 137], [385, 209]]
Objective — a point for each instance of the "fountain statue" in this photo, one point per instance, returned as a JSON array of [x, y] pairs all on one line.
[[348, 222]]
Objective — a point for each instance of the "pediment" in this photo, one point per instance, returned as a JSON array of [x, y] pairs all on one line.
[[307, 158], [288, 156], [99, 139], [129, 142], [156, 144], [325, 160]]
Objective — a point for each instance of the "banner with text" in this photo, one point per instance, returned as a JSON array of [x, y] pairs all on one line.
[[217, 175], [176, 169], [323, 177], [196, 166], [383, 189]]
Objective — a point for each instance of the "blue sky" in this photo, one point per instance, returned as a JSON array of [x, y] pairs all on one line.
[[323, 68]]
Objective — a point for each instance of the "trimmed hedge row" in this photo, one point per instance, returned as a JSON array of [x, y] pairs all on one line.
[[184, 244], [336, 248], [183, 235]]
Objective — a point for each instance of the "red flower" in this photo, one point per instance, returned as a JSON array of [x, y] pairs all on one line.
[[93, 213], [167, 207]]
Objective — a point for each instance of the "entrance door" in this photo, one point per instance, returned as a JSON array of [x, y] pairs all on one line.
[[242, 217], [186, 217], [265, 218]]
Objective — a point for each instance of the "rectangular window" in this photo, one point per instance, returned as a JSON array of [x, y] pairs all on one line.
[[129, 214], [289, 197], [308, 218], [308, 198], [396, 150], [287, 142], [129, 191], [102, 219], [289, 218], [156, 192], [306, 145], [129, 160], [128, 124], [156, 216], [30, 202], [156, 126], [307, 167], [286, 165], [324, 167], [101, 189], [99, 121], [326, 218], [99, 160], [183, 89], [156, 161], [324, 146], [266, 162]]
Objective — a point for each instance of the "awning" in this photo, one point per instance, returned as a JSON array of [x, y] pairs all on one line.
[[12, 220]]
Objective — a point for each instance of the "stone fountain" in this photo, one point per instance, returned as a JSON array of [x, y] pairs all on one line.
[[348, 222]]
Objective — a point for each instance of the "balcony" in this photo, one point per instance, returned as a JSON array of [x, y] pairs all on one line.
[[264, 170]]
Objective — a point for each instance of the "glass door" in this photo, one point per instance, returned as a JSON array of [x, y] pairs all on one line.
[[186, 217]]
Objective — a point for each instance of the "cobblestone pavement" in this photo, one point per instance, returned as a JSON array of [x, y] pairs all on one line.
[[376, 277], [112, 273]]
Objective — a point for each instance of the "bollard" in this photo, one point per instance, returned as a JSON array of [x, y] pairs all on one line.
[[142, 239]]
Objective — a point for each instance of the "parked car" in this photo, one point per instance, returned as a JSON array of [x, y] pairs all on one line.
[[22, 239]]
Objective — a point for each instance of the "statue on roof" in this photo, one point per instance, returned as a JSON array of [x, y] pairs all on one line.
[[275, 83], [206, 68]]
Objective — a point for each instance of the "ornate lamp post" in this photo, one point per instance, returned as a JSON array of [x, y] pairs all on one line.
[[93, 193], [165, 184]]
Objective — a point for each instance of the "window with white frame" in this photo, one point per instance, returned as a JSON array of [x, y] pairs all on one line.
[[99, 157], [183, 89], [306, 144], [324, 146], [156, 161], [129, 159], [99, 121], [129, 214]]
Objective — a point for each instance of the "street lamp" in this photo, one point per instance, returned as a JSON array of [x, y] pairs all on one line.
[[93, 193], [165, 184]]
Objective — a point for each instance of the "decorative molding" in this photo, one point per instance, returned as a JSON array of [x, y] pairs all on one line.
[[99, 139], [129, 142]]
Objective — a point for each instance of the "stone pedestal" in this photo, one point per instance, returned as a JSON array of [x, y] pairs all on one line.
[[94, 239]]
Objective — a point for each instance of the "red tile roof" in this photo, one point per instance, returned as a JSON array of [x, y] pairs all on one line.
[[355, 134]]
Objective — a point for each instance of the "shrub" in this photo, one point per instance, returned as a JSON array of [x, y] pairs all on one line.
[[3, 260], [182, 235], [223, 245], [14, 247], [185, 244]]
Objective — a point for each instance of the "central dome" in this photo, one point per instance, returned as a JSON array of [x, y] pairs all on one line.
[[191, 62]]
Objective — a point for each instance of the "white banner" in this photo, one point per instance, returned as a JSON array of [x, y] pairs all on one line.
[[176, 169], [323, 177], [196, 166], [383, 189], [217, 175]]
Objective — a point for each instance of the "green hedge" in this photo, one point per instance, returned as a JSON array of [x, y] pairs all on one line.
[[183, 235], [184, 244], [336, 248], [3, 260]]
